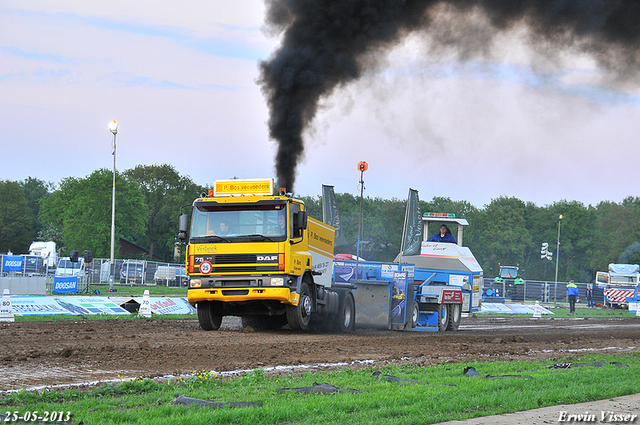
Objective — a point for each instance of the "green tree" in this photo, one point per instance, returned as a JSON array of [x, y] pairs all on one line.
[[82, 209], [16, 219], [616, 229], [165, 191], [576, 239], [34, 190], [504, 230]]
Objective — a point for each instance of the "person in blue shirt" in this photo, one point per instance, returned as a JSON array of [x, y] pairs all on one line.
[[443, 236], [572, 295]]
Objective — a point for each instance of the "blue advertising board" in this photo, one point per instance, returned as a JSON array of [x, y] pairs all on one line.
[[65, 285], [12, 263], [399, 298]]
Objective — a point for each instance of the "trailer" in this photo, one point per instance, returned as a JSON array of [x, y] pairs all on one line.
[[618, 284]]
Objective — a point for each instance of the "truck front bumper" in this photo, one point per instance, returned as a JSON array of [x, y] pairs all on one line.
[[284, 295]]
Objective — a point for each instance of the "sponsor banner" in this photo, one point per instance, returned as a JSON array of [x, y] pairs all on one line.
[[345, 271], [76, 305], [399, 298], [331, 215], [28, 306], [412, 237], [449, 295], [90, 305], [243, 187], [169, 305], [511, 308], [159, 305], [12, 263], [65, 285]]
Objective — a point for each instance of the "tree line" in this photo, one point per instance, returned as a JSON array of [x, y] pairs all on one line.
[[77, 214], [508, 231]]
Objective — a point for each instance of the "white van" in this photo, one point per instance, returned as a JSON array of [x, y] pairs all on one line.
[[66, 267]]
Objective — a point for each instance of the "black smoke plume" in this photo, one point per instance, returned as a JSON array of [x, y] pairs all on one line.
[[631, 255], [329, 43]]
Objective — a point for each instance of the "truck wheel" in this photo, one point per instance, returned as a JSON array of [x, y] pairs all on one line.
[[455, 314], [346, 317], [415, 315], [299, 316], [443, 317], [209, 316]]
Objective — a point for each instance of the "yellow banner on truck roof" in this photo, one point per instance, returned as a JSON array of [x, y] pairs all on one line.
[[243, 187]]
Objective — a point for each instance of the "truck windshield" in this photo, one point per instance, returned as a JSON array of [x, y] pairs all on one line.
[[219, 223]]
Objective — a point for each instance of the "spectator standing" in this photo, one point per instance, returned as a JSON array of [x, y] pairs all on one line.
[[590, 302], [572, 295]]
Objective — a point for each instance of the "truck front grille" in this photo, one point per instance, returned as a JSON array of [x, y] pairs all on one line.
[[233, 259], [238, 263], [244, 269]]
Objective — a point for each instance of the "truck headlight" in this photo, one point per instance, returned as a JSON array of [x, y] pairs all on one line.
[[277, 281], [195, 283]]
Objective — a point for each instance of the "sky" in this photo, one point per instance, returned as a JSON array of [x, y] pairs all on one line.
[[181, 81]]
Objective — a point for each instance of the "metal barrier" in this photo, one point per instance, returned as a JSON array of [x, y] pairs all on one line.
[[24, 285], [543, 291]]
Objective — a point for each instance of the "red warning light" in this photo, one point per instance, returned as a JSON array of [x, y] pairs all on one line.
[[363, 166]]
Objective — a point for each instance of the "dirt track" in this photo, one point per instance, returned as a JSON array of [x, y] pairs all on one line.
[[49, 353]]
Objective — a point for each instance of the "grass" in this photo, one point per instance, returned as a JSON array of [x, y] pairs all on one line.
[[448, 395]]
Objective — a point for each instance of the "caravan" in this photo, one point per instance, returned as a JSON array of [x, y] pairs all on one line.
[[46, 250]]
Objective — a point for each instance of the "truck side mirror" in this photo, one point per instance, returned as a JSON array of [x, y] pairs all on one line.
[[301, 220], [299, 223], [183, 227]]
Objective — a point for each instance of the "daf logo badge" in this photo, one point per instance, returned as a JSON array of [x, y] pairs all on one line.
[[267, 258]]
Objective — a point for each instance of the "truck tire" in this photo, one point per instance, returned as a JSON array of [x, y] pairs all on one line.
[[209, 316], [443, 317], [298, 316], [346, 317], [455, 315], [415, 315]]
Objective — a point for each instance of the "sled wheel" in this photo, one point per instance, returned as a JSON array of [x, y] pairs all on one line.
[[443, 317], [415, 315], [346, 317], [455, 314]]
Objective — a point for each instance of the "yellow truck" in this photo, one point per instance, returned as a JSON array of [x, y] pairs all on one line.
[[258, 255]]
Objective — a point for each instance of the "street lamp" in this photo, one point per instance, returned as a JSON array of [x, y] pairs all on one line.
[[362, 167], [113, 127], [555, 297]]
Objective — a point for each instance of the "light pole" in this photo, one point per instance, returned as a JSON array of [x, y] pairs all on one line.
[[113, 127], [555, 293], [362, 166]]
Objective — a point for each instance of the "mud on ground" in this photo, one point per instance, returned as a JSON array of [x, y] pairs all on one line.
[[62, 352]]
